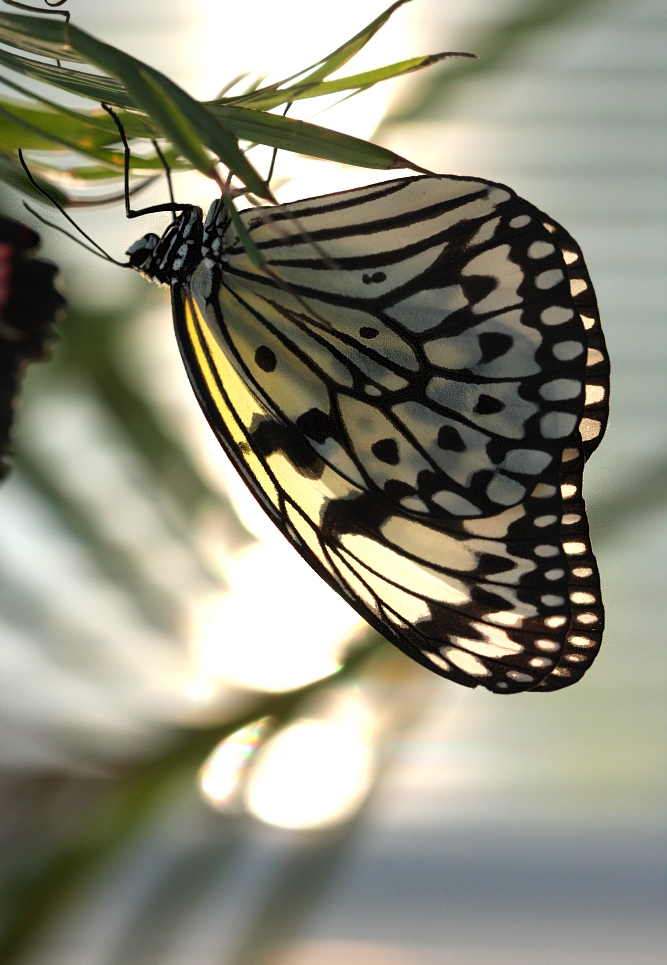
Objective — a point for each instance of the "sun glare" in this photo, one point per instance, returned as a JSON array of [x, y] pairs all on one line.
[[311, 774], [280, 627]]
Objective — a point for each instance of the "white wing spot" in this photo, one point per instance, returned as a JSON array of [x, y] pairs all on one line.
[[556, 315], [547, 279], [520, 221], [554, 622], [554, 574], [557, 425], [437, 660], [589, 429], [594, 357], [505, 491], [550, 599], [485, 233], [495, 527], [560, 389], [594, 394], [499, 195], [578, 641], [580, 597], [456, 504], [540, 249], [467, 662], [566, 351], [545, 550], [542, 521], [543, 491], [577, 286], [528, 461], [547, 645]]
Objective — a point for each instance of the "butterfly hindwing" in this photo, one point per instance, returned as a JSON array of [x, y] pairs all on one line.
[[400, 400]]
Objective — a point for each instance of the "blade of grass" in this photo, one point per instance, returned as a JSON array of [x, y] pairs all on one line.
[[182, 119], [305, 89], [93, 86], [322, 68], [346, 52], [16, 30], [302, 137]]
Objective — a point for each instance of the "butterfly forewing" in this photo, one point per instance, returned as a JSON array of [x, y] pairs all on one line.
[[401, 398]]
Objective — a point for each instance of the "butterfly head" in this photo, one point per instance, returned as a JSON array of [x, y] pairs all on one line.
[[175, 255]]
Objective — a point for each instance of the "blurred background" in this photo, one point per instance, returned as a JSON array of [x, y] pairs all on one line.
[[372, 814]]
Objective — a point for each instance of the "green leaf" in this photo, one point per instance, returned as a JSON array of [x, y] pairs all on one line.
[[249, 245], [299, 91], [35, 36], [302, 137], [182, 119], [342, 54], [93, 86]]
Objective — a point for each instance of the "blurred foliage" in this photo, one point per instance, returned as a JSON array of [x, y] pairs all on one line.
[[494, 45]]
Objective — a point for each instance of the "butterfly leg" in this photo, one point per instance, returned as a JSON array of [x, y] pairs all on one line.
[[152, 209]]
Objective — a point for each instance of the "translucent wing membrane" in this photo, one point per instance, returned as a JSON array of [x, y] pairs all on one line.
[[411, 395]]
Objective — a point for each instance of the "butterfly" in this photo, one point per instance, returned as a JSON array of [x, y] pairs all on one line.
[[410, 386], [29, 304]]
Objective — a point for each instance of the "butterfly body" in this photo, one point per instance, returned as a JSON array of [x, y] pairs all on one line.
[[411, 391]]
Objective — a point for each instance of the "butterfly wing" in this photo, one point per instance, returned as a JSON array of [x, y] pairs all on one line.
[[400, 396]]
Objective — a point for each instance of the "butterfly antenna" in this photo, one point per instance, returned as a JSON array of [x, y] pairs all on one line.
[[99, 250], [68, 234], [152, 209]]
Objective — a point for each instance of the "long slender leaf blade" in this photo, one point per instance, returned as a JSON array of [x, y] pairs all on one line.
[[37, 35], [96, 88], [302, 137], [96, 129], [369, 78], [322, 68], [185, 121], [213, 134], [178, 115], [249, 245], [57, 137], [343, 54]]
